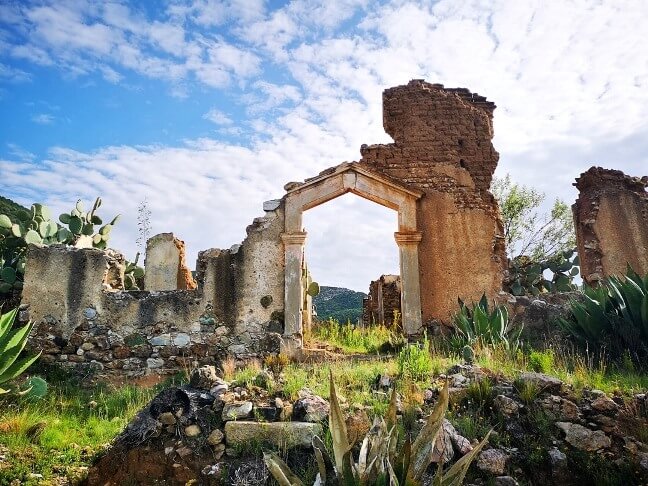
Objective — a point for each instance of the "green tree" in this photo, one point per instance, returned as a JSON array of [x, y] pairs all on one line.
[[528, 231]]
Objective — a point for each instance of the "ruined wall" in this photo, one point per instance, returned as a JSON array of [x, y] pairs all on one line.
[[442, 145], [165, 264], [611, 222], [383, 299], [86, 322]]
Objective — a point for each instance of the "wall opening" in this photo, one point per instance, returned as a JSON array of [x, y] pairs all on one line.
[[370, 251]]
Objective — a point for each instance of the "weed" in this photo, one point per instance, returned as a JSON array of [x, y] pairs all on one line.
[[415, 362], [228, 366], [276, 363], [541, 361], [248, 373], [527, 390], [480, 394]]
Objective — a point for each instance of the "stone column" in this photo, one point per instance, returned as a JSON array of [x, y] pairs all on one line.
[[294, 251], [408, 242]]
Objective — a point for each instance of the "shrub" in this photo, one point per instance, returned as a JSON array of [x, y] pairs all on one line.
[[478, 326], [414, 361], [612, 317], [541, 361], [12, 343]]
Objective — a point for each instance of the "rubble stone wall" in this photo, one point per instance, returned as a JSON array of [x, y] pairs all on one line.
[[442, 145], [611, 221], [383, 299], [85, 321]]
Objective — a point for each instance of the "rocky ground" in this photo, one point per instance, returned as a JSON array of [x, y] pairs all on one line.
[[212, 433]]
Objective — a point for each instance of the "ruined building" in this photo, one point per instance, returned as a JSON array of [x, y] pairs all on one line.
[[382, 305], [611, 222], [250, 299]]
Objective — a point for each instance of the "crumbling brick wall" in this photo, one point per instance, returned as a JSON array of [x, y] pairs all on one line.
[[87, 322], [611, 222], [383, 301], [442, 145]]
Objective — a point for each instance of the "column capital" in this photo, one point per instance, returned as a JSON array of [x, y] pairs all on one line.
[[298, 238], [408, 237]]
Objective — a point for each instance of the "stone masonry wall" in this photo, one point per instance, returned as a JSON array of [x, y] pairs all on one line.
[[85, 321], [611, 221], [383, 299], [442, 145]]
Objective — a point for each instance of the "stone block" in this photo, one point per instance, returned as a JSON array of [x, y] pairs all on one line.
[[279, 434]]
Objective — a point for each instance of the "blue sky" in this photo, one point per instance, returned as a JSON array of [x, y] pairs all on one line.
[[207, 108]]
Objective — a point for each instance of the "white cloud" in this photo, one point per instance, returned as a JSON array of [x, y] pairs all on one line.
[[570, 81], [14, 75], [218, 117], [43, 119]]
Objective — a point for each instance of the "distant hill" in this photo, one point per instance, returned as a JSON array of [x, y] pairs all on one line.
[[10, 208], [339, 303]]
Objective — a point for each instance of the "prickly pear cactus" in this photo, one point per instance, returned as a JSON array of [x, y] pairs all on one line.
[[36, 227], [530, 278], [133, 275]]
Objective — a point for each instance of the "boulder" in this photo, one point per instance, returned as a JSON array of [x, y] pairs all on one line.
[[583, 438], [192, 431], [544, 382], [280, 434], [237, 410], [310, 408], [505, 405], [216, 437], [204, 377], [492, 461], [604, 404]]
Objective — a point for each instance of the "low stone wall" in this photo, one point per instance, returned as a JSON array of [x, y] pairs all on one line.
[[86, 322]]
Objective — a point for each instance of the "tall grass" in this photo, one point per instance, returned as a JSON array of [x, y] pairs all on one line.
[[54, 435], [355, 339]]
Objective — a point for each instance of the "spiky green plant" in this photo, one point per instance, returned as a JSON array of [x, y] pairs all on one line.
[[12, 343], [480, 326], [612, 316], [378, 462]]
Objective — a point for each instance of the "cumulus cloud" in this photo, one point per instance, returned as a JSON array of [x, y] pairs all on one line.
[[570, 81]]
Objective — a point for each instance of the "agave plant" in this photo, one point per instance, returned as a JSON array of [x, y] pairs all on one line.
[[478, 325], [378, 462], [613, 315], [12, 343]]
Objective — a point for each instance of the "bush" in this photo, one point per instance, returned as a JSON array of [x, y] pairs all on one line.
[[613, 318], [414, 361], [541, 361]]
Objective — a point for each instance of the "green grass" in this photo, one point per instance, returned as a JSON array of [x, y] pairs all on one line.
[[352, 339], [55, 435]]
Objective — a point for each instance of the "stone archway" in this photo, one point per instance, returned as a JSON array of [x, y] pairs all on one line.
[[369, 185]]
